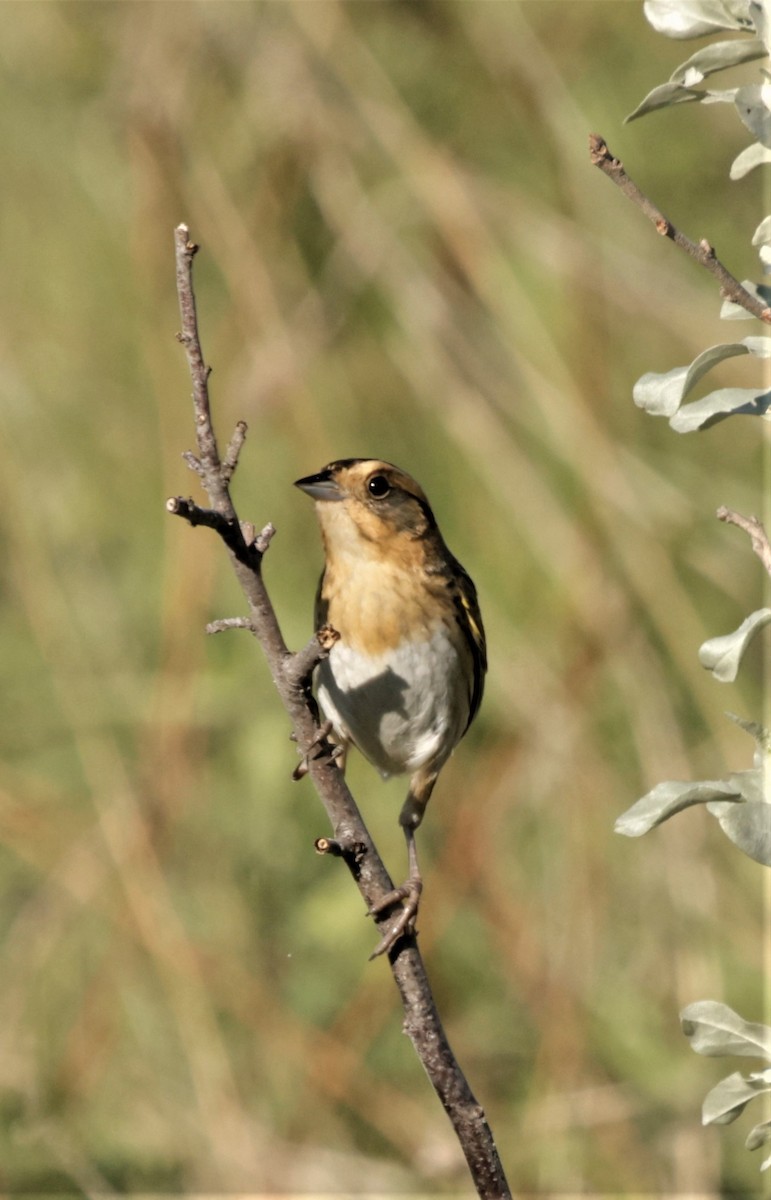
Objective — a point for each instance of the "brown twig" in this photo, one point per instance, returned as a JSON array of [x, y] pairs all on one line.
[[226, 623], [230, 461], [291, 675], [755, 529], [703, 252]]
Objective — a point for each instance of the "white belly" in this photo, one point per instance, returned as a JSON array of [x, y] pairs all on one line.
[[404, 709]]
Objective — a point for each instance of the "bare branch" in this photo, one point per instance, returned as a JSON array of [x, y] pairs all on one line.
[[230, 461], [264, 537], [335, 847], [260, 540], [199, 372], [755, 529], [730, 287], [195, 515], [226, 526], [225, 623], [193, 463], [300, 667], [291, 675]]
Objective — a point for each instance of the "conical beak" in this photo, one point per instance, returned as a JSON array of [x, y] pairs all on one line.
[[320, 487]]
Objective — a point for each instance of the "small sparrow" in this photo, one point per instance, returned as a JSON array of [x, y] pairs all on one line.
[[404, 680]]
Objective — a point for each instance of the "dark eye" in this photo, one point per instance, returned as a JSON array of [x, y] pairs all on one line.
[[378, 487]]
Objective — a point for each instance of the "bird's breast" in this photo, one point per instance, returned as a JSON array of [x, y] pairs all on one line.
[[375, 607], [404, 707]]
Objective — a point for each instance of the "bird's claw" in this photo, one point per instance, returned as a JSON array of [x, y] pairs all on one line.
[[301, 770], [404, 925]]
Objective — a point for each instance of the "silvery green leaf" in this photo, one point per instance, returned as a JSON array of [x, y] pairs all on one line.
[[762, 235], [668, 94], [728, 1099], [730, 311], [759, 18], [716, 57], [758, 1137], [754, 156], [726, 402], [696, 18], [753, 112], [759, 347], [671, 797], [664, 96], [662, 394], [748, 785], [747, 825], [722, 655], [714, 1029]]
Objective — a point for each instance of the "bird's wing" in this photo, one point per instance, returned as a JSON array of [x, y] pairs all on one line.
[[470, 620], [321, 607]]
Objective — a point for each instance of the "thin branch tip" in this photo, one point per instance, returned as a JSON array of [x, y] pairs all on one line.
[[194, 463], [598, 147], [260, 541], [182, 234], [225, 623], [755, 530], [265, 537], [299, 667], [233, 452], [327, 636], [343, 845], [327, 845], [702, 251]]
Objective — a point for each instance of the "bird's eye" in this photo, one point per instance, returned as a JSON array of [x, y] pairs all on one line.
[[378, 487]]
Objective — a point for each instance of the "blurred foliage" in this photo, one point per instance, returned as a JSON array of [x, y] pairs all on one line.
[[405, 253]]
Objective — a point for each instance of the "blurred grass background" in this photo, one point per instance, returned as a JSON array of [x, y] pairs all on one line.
[[405, 253]]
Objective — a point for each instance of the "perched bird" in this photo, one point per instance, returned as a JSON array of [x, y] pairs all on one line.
[[404, 680]]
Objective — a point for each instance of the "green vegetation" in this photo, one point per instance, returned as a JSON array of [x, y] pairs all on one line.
[[406, 253]]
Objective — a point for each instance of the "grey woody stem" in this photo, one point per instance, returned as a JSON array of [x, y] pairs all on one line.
[[291, 675]]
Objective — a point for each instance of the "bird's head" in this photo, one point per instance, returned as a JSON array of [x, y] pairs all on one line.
[[367, 506]]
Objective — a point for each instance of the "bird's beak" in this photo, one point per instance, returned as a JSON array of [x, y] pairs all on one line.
[[320, 487]]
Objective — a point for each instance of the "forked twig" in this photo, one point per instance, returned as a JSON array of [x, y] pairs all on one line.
[[291, 674]]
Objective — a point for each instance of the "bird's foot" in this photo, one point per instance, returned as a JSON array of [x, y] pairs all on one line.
[[408, 895], [322, 733]]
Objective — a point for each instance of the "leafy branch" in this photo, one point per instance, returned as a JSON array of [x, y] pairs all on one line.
[[740, 802], [291, 674], [716, 1030]]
